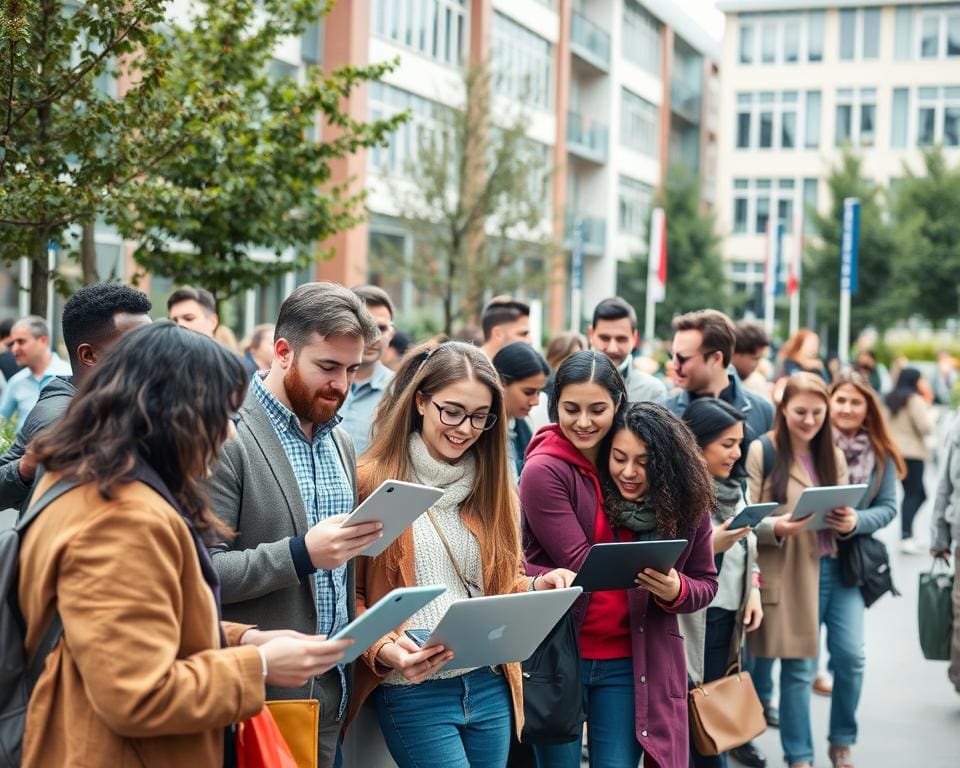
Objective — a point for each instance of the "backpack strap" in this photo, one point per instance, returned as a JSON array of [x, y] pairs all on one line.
[[55, 631]]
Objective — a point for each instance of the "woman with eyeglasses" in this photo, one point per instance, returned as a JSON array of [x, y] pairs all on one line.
[[442, 424]]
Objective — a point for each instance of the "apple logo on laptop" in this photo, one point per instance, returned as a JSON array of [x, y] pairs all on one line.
[[496, 634]]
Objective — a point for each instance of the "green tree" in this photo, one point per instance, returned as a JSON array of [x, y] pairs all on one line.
[[695, 270], [927, 275], [475, 198], [256, 176], [68, 147], [874, 304]]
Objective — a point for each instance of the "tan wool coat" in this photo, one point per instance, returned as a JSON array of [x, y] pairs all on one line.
[[139, 678], [789, 568], [375, 578]]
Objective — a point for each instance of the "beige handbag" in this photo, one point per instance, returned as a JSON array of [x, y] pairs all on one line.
[[727, 712]]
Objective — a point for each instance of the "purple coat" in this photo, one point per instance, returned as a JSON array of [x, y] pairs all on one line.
[[559, 504]]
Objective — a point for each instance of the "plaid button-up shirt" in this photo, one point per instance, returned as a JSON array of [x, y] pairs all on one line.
[[326, 491]]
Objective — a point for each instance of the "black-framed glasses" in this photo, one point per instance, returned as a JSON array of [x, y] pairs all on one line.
[[454, 416]]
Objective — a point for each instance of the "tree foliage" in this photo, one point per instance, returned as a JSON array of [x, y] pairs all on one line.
[[695, 271], [475, 198], [68, 147], [256, 177], [875, 304], [927, 274]]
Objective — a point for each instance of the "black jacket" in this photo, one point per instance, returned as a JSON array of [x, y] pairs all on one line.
[[53, 402]]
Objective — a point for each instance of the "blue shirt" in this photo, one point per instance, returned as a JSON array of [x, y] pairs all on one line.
[[361, 404], [326, 491], [23, 389]]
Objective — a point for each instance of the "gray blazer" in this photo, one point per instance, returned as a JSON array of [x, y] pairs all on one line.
[[254, 491]]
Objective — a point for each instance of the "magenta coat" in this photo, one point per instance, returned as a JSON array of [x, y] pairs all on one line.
[[559, 504]]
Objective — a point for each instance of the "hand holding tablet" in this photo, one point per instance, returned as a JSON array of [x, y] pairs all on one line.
[[395, 504]]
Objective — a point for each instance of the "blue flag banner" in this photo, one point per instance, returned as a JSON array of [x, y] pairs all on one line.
[[850, 245]]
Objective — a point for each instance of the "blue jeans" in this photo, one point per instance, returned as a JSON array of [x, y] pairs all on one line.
[[611, 722], [457, 722], [716, 650], [796, 679], [841, 611]]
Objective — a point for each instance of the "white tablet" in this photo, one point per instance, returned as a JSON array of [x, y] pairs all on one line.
[[820, 501], [384, 616], [396, 504], [487, 631]]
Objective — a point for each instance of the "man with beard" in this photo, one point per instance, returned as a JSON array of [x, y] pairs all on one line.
[[286, 481]]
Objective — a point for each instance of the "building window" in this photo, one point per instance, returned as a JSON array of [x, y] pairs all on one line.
[[811, 126], [859, 33], [634, 206], [434, 28], [900, 118], [638, 123], [856, 117], [815, 25], [770, 116], [397, 157], [903, 33], [747, 40], [755, 201], [641, 38], [938, 116], [522, 63], [810, 187], [938, 32]]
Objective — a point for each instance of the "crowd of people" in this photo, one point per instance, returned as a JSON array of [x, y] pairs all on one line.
[[190, 564]]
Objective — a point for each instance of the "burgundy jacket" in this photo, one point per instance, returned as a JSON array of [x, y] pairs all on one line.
[[559, 505]]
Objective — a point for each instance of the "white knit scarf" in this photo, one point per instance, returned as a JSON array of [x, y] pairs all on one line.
[[455, 480]]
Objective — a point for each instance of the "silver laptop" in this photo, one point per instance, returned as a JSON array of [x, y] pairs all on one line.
[[486, 631]]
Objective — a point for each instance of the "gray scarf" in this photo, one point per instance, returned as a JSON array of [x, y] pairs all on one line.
[[635, 516], [729, 495]]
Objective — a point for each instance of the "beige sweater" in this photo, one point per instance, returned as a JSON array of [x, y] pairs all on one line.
[[909, 428]]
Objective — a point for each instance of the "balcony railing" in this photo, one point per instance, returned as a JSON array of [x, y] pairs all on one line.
[[587, 138], [594, 233], [590, 42]]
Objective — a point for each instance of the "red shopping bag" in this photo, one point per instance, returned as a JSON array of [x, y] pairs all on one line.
[[260, 745]]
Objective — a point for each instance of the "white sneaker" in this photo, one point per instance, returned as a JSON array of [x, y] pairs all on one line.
[[909, 547]]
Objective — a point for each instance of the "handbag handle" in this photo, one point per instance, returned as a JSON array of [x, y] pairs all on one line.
[[943, 564]]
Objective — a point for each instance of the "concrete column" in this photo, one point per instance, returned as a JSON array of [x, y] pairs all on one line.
[[346, 41], [666, 73], [557, 291]]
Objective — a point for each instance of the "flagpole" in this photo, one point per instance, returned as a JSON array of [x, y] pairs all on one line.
[[656, 270], [849, 251], [796, 266], [769, 280]]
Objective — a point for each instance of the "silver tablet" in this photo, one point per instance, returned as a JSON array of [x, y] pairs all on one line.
[[487, 631], [396, 504], [388, 613], [820, 501]]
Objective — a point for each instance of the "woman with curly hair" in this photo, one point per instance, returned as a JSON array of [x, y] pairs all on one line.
[[603, 475]]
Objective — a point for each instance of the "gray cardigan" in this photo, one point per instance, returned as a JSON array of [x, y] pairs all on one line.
[[879, 505], [254, 491], [945, 524]]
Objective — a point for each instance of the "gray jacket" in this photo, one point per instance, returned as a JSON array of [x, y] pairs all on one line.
[[51, 405], [945, 525], [254, 491], [641, 387]]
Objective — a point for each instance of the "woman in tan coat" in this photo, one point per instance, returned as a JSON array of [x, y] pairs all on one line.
[[804, 456], [140, 676]]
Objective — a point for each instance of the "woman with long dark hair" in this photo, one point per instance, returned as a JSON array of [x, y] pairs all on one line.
[[142, 675], [713, 636], [910, 425], [444, 426], [523, 373], [872, 457], [803, 455], [605, 474]]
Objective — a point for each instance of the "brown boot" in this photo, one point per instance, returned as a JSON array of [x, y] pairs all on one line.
[[840, 757]]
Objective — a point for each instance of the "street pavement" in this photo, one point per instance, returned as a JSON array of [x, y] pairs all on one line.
[[909, 712]]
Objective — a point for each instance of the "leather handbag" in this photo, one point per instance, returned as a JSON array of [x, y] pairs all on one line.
[[726, 713], [299, 723], [259, 744], [935, 611]]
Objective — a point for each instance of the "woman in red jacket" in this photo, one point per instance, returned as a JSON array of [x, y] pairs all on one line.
[[647, 482]]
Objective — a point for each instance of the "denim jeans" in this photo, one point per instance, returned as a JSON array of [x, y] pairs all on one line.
[[720, 625], [841, 611], [457, 722], [913, 496], [608, 699], [761, 670], [796, 679]]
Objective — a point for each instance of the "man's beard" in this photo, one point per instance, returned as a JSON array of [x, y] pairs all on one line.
[[306, 403]]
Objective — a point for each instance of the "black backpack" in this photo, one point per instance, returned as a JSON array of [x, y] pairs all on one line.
[[18, 674]]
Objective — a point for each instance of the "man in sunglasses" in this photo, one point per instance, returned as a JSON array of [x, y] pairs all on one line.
[[373, 377], [703, 344]]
